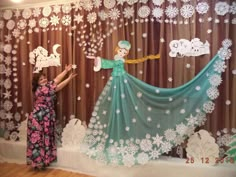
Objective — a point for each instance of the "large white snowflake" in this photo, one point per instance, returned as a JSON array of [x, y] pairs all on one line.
[[187, 11], [154, 153], [114, 14], [221, 8], [157, 12], [181, 129], [128, 160], [157, 140], [22, 24], [158, 2], [66, 20], [87, 5], [224, 53], [43, 22], [26, 13], [170, 134], [171, 11], [97, 3], [233, 8], [54, 20], [208, 106], [146, 145], [165, 147], [78, 18], [144, 11], [215, 80], [36, 12], [56, 9], [128, 12], [92, 17], [220, 66], [109, 3], [202, 7], [142, 158], [213, 93], [226, 43], [7, 105], [66, 8]]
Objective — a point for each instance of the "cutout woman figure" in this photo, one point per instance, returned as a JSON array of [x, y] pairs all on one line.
[[134, 122]]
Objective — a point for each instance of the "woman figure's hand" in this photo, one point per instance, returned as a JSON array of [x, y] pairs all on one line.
[[93, 58]]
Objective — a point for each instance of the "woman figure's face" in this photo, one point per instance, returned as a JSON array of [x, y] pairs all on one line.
[[122, 52], [42, 80]]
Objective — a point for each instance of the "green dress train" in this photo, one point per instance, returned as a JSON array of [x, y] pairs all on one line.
[[133, 122]]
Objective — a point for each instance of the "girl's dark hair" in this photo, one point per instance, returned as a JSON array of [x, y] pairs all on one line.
[[35, 80]]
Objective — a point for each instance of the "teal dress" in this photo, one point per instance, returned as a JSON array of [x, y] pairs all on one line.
[[133, 122]]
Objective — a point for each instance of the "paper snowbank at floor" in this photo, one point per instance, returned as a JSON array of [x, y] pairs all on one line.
[[72, 160]]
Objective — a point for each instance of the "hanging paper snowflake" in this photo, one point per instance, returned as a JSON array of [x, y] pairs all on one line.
[[7, 15], [46, 11], [221, 8], [114, 14], [92, 17], [66, 20], [56, 9], [66, 8], [109, 3], [224, 53], [171, 11], [36, 12], [202, 7], [226, 43], [22, 24], [157, 12], [26, 13], [187, 11], [233, 8], [10, 24], [144, 11], [102, 15], [87, 5], [209, 106], [43, 22], [97, 3], [54, 20], [158, 2], [128, 12]]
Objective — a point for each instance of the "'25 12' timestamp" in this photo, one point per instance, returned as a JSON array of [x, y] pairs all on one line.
[[207, 160]]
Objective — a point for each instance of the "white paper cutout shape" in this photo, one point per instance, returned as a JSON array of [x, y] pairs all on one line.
[[184, 47], [202, 148], [73, 134], [39, 57], [23, 131]]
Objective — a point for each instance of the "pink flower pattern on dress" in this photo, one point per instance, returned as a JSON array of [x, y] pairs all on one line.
[[41, 145]]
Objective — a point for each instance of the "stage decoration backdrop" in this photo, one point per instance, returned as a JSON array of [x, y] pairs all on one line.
[[93, 27]]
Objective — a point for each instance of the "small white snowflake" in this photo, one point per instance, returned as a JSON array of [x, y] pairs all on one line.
[[213, 93], [144, 11], [92, 17], [220, 66], [128, 12]]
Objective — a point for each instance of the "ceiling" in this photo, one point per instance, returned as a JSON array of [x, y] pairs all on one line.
[[9, 4]]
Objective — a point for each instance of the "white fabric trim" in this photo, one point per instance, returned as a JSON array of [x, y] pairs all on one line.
[[99, 65]]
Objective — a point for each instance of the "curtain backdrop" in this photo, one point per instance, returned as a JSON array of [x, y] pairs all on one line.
[[94, 28]]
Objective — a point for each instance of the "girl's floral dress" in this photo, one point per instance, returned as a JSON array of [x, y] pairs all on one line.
[[41, 145]]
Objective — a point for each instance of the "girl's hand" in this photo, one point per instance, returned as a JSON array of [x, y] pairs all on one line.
[[68, 67]]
